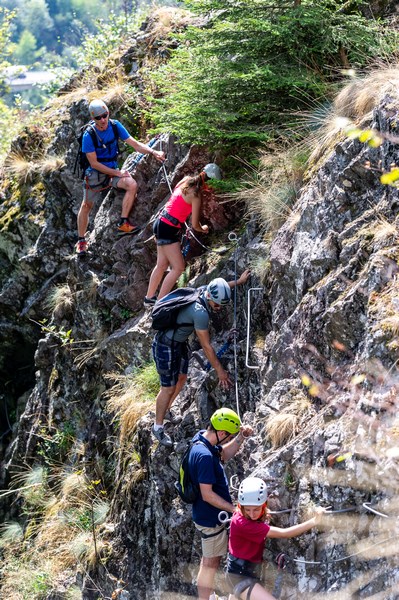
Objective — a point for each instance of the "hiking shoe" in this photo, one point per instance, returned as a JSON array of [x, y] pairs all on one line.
[[127, 227], [150, 301], [162, 437], [81, 247]]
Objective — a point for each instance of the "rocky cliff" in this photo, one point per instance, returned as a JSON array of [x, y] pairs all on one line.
[[91, 502]]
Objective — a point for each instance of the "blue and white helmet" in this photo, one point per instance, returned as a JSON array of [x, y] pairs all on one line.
[[97, 108], [218, 290]]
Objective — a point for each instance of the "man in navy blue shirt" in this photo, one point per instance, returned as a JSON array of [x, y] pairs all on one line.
[[215, 445], [103, 171]]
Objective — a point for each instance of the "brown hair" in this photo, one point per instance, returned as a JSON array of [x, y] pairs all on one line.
[[194, 184], [264, 517]]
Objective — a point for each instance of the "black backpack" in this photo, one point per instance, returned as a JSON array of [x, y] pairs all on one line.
[[187, 490], [81, 162], [165, 311]]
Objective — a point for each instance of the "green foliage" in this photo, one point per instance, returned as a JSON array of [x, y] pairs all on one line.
[[146, 379], [56, 446], [97, 46], [236, 78], [41, 585]]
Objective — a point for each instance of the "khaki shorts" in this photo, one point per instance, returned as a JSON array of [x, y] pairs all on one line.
[[95, 183], [215, 545]]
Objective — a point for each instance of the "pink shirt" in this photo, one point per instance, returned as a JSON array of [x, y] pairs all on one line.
[[177, 207], [247, 538]]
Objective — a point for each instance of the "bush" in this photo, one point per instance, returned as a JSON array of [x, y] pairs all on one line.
[[236, 78]]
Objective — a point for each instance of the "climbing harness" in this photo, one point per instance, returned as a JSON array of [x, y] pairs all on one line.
[[249, 327]]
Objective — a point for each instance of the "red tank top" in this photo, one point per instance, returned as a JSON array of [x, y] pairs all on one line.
[[177, 207]]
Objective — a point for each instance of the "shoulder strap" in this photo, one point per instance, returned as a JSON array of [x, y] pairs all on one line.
[[92, 132], [114, 129]]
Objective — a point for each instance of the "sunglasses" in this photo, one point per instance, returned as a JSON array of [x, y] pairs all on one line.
[[104, 116]]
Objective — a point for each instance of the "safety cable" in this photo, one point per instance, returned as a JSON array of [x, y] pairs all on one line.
[[232, 237]]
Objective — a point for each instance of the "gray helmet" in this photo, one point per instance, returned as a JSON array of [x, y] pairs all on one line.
[[252, 492], [213, 171], [97, 108], [218, 290]]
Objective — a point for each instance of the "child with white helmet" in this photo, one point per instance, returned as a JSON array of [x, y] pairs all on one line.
[[249, 529]]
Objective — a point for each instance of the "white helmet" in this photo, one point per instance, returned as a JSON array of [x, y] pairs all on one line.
[[97, 108], [218, 290], [252, 492], [213, 171]]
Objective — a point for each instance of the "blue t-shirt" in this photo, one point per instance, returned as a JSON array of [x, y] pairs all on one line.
[[195, 316], [105, 150], [205, 467]]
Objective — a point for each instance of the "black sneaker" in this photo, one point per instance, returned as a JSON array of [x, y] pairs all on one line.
[[150, 301], [162, 437]]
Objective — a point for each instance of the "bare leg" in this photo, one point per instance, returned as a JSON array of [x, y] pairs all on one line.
[[83, 217], [130, 185], [158, 272], [206, 576], [176, 261], [162, 403], [258, 593], [178, 388]]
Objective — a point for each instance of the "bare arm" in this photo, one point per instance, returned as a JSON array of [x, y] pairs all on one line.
[[208, 495], [205, 341], [231, 448], [195, 202], [144, 149], [290, 532], [243, 278]]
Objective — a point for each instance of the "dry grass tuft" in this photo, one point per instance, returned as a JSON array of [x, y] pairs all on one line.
[[10, 533], [19, 167], [74, 488], [358, 98], [281, 428], [131, 397], [271, 192], [60, 300], [166, 19], [50, 164]]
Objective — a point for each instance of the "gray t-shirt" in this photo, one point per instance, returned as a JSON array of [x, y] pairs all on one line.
[[196, 314]]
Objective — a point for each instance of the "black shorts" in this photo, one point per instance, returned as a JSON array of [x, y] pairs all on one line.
[[166, 234], [241, 575]]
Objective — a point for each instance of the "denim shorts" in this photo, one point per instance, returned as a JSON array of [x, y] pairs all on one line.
[[171, 359], [95, 183]]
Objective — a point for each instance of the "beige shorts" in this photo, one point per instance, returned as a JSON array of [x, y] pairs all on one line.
[[95, 184], [215, 545]]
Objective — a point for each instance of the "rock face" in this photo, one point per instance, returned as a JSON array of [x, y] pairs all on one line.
[[324, 339]]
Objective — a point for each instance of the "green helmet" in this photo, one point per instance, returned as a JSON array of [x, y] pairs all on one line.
[[225, 419]]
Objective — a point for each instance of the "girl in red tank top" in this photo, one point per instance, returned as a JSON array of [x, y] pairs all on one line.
[[184, 201]]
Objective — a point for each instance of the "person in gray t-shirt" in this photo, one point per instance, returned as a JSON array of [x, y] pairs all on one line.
[[170, 348]]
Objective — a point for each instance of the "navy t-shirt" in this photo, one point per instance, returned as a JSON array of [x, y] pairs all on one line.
[[205, 467]]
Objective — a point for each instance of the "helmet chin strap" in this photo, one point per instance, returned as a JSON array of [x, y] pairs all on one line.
[[217, 437]]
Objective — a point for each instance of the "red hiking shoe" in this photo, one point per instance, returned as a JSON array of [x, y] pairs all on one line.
[[81, 247]]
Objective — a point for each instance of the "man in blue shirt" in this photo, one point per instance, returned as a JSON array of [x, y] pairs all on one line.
[[103, 171], [218, 443]]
